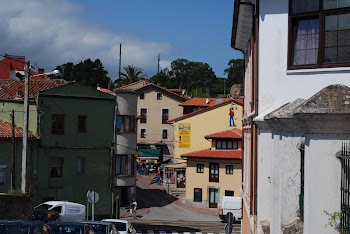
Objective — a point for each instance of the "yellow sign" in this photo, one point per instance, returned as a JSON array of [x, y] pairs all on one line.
[[184, 138]]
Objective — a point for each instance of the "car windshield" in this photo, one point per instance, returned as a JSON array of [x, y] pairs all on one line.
[[100, 229], [120, 226], [12, 229], [43, 207]]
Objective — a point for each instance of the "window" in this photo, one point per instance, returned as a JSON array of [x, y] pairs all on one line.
[[229, 169], [319, 33], [214, 172], [142, 95], [57, 124], [124, 165], [125, 123], [164, 134], [80, 165], [56, 167], [159, 96], [143, 115], [200, 168], [197, 195], [229, 193], [81, 123], [2, 174], [165, 116], [143, 133], [227, 144]]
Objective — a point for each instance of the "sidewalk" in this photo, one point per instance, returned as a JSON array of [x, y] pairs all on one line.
[[146, 180]]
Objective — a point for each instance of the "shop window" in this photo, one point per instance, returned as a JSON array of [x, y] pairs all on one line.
[[197, 195]]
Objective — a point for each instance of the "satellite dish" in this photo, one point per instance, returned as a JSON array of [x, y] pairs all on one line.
[[235, 90]]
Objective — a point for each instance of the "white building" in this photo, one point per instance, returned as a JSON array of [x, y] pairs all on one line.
[[296, 111]]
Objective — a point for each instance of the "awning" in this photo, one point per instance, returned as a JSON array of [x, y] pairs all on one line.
[[149, 153]]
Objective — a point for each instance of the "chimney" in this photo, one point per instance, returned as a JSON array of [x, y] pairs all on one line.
[[41, 70]]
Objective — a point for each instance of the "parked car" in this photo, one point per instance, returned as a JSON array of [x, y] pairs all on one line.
[[59, 210], [123, 226], [230, 204], [102, 227], [71, 228], [24, 227]]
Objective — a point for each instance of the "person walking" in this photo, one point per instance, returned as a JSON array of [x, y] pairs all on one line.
[[133, 207]]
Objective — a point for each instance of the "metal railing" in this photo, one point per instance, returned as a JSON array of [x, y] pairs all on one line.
[[345, 186]]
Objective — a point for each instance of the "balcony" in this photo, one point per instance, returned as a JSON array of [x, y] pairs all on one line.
[[124, 181]]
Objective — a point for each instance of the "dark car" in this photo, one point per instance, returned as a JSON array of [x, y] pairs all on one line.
[[102, 227], [71, 227], [24, 227]]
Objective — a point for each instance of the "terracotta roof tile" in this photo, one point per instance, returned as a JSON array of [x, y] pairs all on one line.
[[227, 134], [219, 154], [9, 89], [6, 131]]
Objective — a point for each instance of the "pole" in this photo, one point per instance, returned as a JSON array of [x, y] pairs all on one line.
[[224, 86], [25, 126], [93, 206], [158, 61], [120, 59], [13, 169]]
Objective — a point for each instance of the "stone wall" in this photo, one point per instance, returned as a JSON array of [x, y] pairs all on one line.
[[15, 207]]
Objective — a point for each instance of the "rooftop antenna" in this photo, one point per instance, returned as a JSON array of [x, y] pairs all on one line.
[[120, 59], [158, 61]]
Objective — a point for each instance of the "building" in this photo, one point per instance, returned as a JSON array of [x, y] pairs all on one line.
[[71, 154], [295, 89], [156, 105], [216, 171], [195, 103], [189, 134]]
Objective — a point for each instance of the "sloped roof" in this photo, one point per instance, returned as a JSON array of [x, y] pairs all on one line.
[[132, 86], [9, 88], [218, 154], [6, 131], [227, 134], [204, 101], [200, 111]]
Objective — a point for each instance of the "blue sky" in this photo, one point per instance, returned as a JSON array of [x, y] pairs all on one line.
[[197, 30]]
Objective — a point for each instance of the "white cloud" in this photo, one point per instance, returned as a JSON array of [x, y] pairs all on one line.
[[50, 33]]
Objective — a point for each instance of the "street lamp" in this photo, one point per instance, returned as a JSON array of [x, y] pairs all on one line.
[[26, 119]]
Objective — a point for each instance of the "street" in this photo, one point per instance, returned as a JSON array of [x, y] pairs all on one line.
[[164, 216]]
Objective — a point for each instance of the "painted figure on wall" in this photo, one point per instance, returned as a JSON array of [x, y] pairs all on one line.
[[232, 117]]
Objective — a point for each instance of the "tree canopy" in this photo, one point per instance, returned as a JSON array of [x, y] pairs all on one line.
[[234, 72], [86, 72], [131, 75]]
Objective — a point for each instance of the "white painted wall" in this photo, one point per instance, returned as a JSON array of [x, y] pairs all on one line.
[[277, 85]]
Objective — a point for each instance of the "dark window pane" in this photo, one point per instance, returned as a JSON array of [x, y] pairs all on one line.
[[330, 55], [300, 6], [344, 54], [331, 39], [333, 4]]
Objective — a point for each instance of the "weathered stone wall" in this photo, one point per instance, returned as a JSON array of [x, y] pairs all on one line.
[[15, 207]]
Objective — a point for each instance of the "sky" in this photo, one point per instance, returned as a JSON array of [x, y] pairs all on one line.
[[53, 32]]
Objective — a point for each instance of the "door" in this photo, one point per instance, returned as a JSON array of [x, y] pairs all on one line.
[[213, 197]]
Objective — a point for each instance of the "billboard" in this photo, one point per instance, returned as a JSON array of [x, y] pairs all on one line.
[[184, 135]]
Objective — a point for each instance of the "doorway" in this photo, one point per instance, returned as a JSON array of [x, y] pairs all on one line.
[[213, 197]]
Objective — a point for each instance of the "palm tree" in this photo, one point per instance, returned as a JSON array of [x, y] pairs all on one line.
[[132, 74]]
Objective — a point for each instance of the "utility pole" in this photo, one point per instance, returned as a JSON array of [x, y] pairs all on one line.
[[120, 59], [224, 86], [25, 126], [13, 169], [158, 61]]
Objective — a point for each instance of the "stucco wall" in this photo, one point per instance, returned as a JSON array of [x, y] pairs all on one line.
[[277, 85], [201, 180], [215, 120]]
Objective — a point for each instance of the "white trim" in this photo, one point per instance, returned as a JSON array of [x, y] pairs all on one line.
[[318, 70]]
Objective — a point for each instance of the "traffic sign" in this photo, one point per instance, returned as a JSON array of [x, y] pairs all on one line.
[[229, 226], [92, 196]]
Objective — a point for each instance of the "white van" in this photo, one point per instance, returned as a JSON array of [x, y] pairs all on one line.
[[68, 211], [230, 204]]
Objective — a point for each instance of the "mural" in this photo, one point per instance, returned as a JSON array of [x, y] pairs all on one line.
[[232, 117]]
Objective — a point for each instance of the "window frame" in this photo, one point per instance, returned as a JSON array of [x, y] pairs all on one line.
[[124, 167], [61, 168], [159, 96], [165, 116], [143, 132], [124, 128], [3, 171], [200, 168], [229, 169], [214, 177], [143, 115], [56, 119], [83, 128], [142, 96], [320, 14], [219, 144], [83, 166], [200, 191], [229, 192], [165, 134]]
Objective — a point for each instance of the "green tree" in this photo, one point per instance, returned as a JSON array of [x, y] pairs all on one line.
[[131, 75], [86, 72], [234, 73]]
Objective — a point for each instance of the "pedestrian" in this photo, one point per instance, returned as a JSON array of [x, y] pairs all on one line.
[[133, 207]]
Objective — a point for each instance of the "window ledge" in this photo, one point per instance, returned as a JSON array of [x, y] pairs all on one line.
[[318, 70]]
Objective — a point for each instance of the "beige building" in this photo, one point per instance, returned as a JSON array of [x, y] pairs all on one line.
[[155, 106], [216, 171], [190, 129]]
